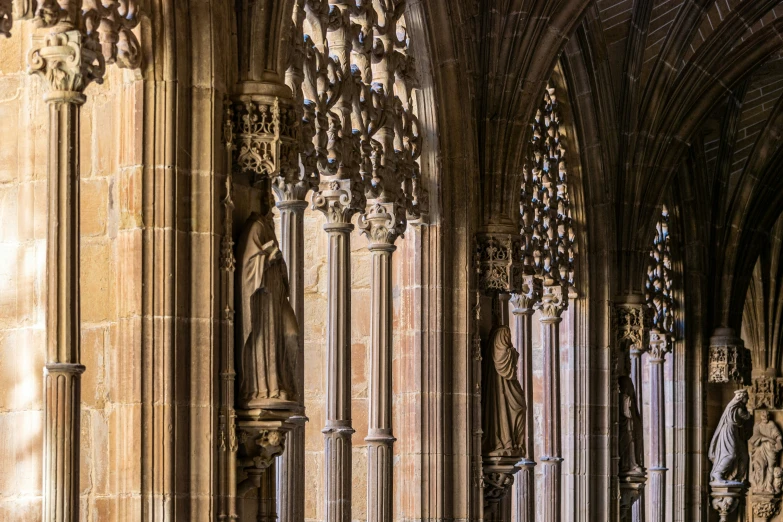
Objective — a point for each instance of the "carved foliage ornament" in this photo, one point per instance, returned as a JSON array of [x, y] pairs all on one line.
[[66, 60], [496, 485], [106, 26], [355, 77]]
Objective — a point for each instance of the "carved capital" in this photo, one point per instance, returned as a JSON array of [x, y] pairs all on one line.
[[554, 299], [659, 345], [266, 138], [67, 61], [383, 223], [528, 297], [497, 263], [729, 359], [631, 326], [339, 200]]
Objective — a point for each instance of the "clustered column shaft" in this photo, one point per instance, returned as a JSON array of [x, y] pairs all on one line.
[[63, 368], [551, 460], [637, 510], [338, 430], [380, 450], [657, 427], [525, 485], [291, 469]]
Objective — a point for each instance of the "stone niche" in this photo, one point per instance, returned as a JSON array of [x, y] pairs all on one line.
[[765, 472]]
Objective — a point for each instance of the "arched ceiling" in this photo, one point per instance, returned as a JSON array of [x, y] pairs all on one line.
[[673, 78]]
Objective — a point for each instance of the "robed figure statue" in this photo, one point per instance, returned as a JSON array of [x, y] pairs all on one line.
[[503, 403], [765, 445], [631, 443], [728, 450], [267, 330]]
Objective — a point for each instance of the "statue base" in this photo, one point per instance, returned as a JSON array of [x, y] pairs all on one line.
[[261, 433], [498, 478], [764, 506], [726, 497], [631, 487]]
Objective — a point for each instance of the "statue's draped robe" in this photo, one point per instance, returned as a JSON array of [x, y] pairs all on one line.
[[765, 446], [266, 324], [503, 404], [631, 441], [728, 450]]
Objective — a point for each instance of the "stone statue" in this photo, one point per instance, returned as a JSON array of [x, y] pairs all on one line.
[[631, 437], [765, 445], [503, 403], [728, 450], [267, 330]]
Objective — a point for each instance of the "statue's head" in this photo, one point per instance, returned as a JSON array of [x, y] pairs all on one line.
[[741, 396], [501, 334], [764, 416]]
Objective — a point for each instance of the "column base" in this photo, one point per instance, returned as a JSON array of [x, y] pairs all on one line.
[[62, 413]]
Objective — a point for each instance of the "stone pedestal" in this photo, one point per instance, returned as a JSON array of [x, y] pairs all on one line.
[[726, 497], [261, 435], [764, 506], [631, 489], [498, 479]]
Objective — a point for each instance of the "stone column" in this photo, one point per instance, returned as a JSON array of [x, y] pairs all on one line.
[[68, 64], [522, 310], [291, 468], [553, 302], [382, 226], [336, 201], [637, 509], [657, 469]]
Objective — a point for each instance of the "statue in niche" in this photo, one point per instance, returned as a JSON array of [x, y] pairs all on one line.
[[503, 403], [765, 445], [728, 450], [267, 329], [631, 440]]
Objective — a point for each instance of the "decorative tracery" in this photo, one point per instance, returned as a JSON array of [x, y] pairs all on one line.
[[658, 285], [548, 239], [353, 73]]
